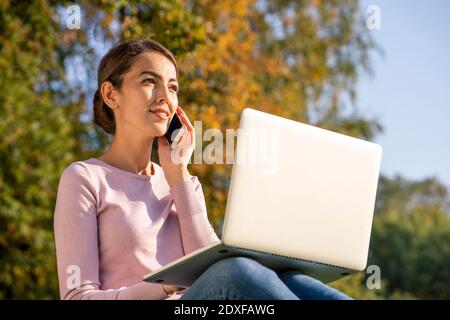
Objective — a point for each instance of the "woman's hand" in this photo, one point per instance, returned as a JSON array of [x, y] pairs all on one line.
[[174, 162], [169, 290]]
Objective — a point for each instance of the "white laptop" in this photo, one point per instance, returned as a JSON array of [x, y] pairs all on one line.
[[300, 197]]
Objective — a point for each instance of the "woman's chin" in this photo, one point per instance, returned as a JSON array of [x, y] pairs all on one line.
[[158, 130]]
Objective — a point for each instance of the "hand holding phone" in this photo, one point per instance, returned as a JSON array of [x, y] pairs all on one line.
[[174, 162], [175, 130]]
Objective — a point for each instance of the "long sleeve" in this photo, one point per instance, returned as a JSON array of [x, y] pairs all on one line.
[[77, 245], [196, 230]]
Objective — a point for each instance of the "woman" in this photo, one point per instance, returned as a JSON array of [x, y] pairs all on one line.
[[120, 216]]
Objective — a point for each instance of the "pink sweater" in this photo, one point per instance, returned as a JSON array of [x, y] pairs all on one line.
[[113, 226]]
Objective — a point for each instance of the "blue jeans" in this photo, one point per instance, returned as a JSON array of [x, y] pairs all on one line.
[[240, 278]]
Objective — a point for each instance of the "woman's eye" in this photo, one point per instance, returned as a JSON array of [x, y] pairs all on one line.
[[174, 88], [149, 80]]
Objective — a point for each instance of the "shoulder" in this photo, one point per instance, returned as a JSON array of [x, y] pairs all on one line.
[[80, 172], [76, 169]]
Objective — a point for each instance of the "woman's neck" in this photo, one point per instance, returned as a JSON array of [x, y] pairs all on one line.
[[133, 156]]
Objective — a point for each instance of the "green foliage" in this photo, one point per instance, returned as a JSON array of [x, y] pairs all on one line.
[[410, 242], [413, 252], [355, 286], [400, 195], [35, 146]]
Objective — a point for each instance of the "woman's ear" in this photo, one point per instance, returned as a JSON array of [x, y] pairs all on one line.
[[109, 94]]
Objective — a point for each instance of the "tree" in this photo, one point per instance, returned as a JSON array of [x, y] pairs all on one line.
[[410, 242], [43, 72], [37, 142], [411, 238]]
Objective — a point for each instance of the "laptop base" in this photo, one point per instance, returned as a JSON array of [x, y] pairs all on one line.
[[185, 270]]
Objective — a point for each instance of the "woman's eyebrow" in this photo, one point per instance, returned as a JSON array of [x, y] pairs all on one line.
[[156, 75]]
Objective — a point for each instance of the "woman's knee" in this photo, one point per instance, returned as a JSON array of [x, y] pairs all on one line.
[[244, 278], [298, 276], [240, 267]]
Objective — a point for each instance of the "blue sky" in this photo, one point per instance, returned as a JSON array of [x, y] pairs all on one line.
[[410, 91]]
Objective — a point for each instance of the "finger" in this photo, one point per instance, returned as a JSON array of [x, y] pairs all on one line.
[[181, 112], [186, 137], [189, 126], [179, 140], [184, 117], [191, 134]]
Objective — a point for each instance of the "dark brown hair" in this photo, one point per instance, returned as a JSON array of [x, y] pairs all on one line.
[[114, 64]]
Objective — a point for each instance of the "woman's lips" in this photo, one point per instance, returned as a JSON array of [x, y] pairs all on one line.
[[161, 115]]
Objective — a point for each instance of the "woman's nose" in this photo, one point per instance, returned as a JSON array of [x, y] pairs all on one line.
[[172, 108], [162, 93]]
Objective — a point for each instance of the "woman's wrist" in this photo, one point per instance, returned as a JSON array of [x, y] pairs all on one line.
[[176, 175]]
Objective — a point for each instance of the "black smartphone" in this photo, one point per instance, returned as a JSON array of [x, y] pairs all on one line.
[[175, 130]]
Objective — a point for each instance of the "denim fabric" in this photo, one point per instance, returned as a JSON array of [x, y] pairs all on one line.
[[240, 278]]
